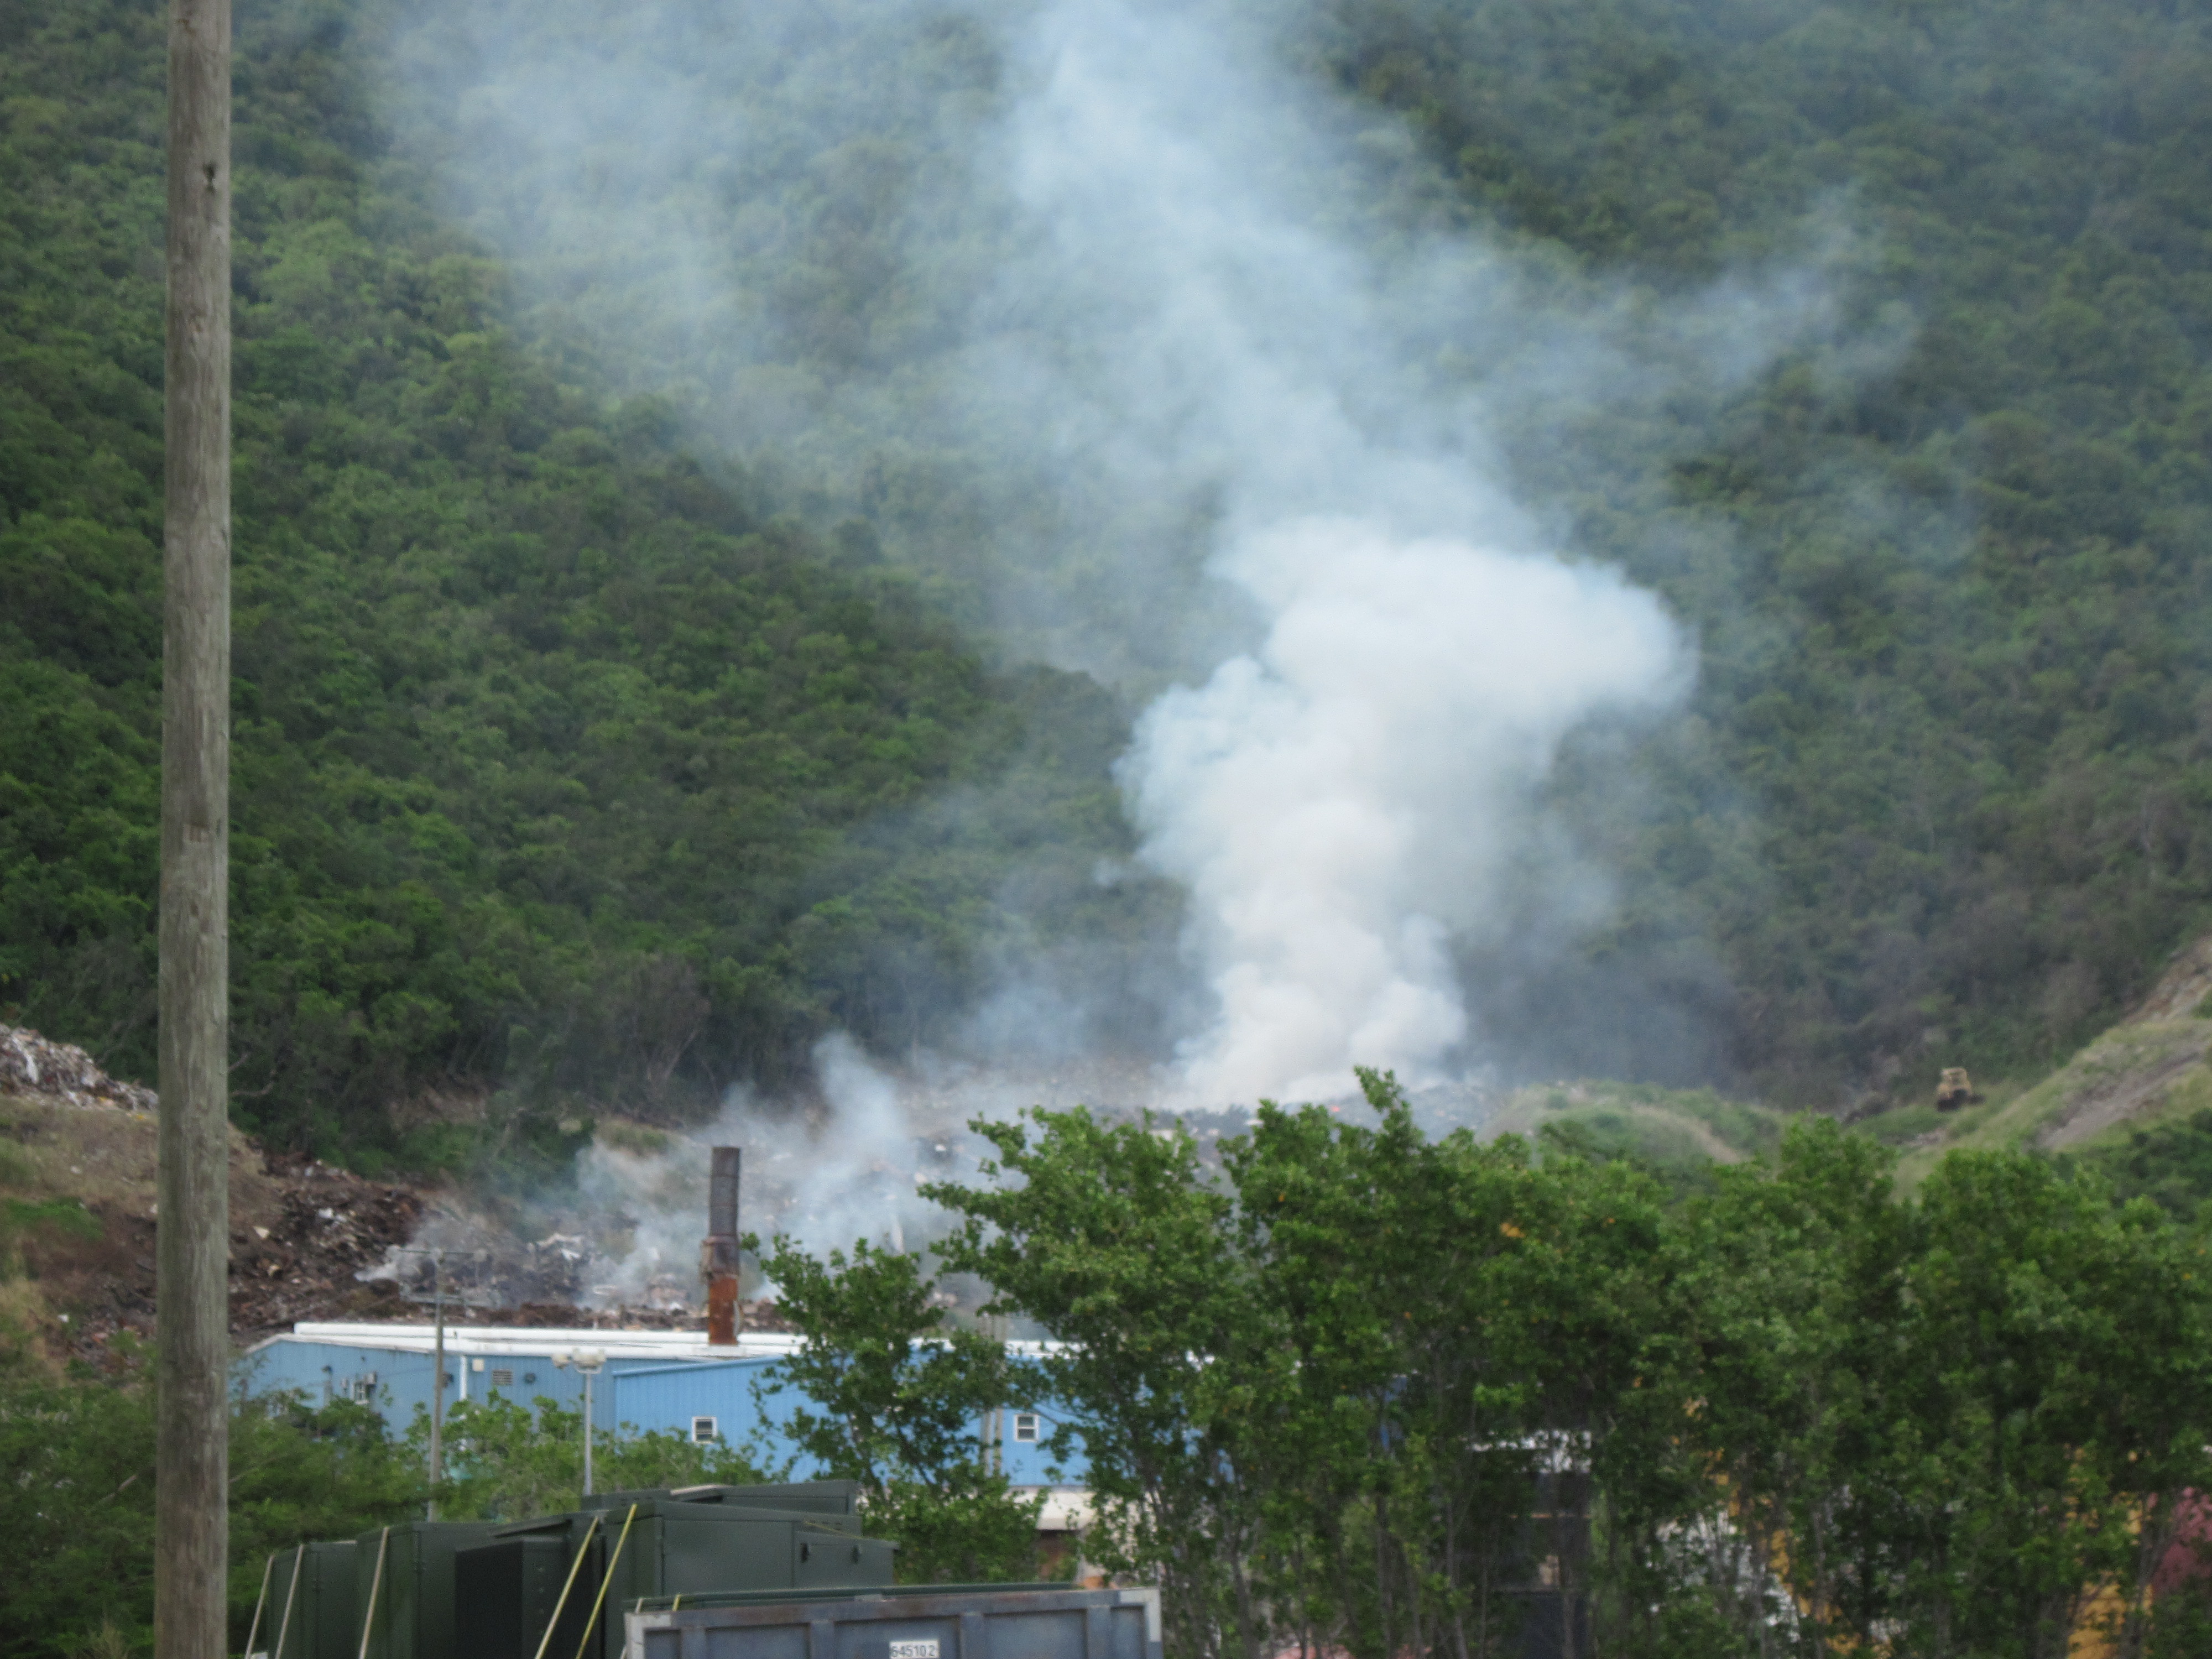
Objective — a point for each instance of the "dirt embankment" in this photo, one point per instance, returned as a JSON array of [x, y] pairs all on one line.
[[78, 1211], [78, 1202], [2146, 1067], [2154, 1066]]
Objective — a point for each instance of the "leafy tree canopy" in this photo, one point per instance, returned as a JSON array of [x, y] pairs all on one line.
[[558, 763]]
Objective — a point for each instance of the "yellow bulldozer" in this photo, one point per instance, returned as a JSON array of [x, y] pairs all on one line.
[[1954, 1089]]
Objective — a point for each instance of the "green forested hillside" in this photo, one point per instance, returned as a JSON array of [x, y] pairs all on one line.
[[564, 763], [557, 764], [1946, 792], [1941, 795]]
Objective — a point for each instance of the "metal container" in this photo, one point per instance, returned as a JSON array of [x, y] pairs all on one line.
[[505, 1593], [410, 1614], [815, 1498], [309, 1613], [655, 1502], [664, 1546], [929, 1622]]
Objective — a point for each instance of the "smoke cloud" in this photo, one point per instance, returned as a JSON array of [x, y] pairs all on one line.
[[847, 1171], [1092, 307], [1340, 801], [849, 1166]]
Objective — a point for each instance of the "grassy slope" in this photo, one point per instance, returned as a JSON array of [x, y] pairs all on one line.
[[2138, 1083], [2133, 1096], [1681, 1133]]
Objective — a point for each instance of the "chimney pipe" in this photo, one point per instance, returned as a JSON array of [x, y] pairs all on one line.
[[718, 1256]]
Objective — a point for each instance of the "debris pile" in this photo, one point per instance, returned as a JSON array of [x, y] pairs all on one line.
[[308, 1240], [762, 1315], [483, 1267], [307, 1263], [30, 1065]]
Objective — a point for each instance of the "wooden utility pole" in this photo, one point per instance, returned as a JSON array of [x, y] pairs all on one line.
[[192, 1456]]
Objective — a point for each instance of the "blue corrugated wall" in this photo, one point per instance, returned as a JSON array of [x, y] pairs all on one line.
[[638, 1394]]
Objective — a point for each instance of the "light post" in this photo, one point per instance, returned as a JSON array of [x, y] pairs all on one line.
[[437, 1256], [589, 1362], [437, 1379]]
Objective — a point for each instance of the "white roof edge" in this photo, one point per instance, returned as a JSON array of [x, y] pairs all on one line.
[[537, 1339]]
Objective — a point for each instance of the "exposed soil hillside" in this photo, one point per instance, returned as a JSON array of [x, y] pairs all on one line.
[[78, 1212], [77, 1193], [2152, 1067]]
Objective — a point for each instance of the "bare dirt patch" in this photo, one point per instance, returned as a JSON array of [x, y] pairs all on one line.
[[2123, 1078], [301, 1231], [2182, 988]]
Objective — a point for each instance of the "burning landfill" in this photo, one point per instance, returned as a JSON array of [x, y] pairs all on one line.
[[620, 1246], [850, 1163]]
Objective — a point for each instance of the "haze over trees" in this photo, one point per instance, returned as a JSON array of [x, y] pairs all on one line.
[[570, 766], [558, 761], [599, 748], [1356, 1387]]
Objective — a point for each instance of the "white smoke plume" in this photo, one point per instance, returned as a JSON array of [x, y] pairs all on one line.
[[1340, 801], [851, 1168], [1340, 798], [1244, 431], [848, 1170]]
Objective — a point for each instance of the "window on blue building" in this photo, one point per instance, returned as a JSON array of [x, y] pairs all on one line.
[[703, 1430], [1026, 1426]]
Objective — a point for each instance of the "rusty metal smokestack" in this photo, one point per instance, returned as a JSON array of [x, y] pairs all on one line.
[[718, 1256]]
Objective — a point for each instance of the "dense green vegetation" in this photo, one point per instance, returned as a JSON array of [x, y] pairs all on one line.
[[1946, 786], [77, 1459], [2171, 1163], [1358, 1392], [1941, 796], [567, 765], [557, 764]]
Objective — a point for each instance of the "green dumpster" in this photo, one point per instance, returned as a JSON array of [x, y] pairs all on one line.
[[309, 1611], [650, 1546], [505, 1594], [410, 1569]]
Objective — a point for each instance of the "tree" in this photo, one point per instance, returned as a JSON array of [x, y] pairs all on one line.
[[1465, 1321], [76, 1478], [506, 1461], [902, 1394], [1114, 1240], [1790, 1302], [2058, 1383]]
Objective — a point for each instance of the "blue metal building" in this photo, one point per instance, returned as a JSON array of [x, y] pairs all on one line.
[[652, 1380], [718, 1398], [389, 1366]]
